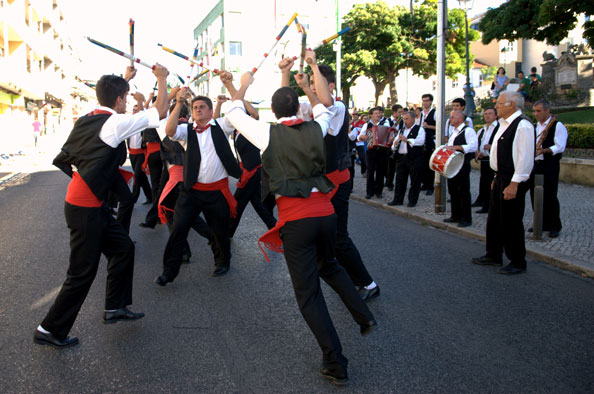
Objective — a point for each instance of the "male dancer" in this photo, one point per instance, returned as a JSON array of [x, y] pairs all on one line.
[[306, 218], [136, 154], [93, 148]]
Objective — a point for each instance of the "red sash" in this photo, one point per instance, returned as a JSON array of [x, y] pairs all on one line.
[[223, 187], [176, 175], [294, 208], [338, 177], [246, 175], [151, 147], [80, 194], [136, 151], [128, 177]]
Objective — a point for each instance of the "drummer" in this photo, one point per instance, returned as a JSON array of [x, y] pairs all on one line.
[[464, 140]]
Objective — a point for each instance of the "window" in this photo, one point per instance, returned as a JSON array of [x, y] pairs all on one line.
[[455, 83], [234, 48], [434, 85]]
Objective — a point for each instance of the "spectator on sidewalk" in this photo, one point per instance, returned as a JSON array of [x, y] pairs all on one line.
[[485, 139], [36, 130], [512, 159], [524, 82], [500, 82], [551, 137]]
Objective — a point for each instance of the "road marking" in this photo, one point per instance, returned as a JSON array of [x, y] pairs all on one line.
[[46, 299]]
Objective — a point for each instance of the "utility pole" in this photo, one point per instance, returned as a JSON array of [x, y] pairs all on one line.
[[442, 28], [338, 56]]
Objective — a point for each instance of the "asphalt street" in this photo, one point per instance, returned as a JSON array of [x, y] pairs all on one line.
[[445, 325]]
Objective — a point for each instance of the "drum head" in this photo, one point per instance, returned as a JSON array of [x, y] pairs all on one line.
[[453, 165]]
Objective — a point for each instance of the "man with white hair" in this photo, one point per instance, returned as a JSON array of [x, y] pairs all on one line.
[[512, 159]]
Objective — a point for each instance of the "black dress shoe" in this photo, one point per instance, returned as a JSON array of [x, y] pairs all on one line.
[[368, 196], [450, 220], [511, 269], [482, 210], [411, 205], [120, 314], [147, 202], [553, 234], [220, 271], [147, 225], [394, 203], [337, 379], [429, 192], [477, 204], [464, 223], [486, 260], [379, 195], [162, 280], [367, 295], [531, 230], [368, 327], [48, 339]]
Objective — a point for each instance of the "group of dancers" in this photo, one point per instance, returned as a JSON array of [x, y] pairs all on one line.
[[301, 162]]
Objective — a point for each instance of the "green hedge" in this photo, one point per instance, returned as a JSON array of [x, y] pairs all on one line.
[[580, 136]]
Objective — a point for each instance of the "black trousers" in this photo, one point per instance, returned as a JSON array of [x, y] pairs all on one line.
[[406, 167], [362, 158], [155, 165], [428, 177], [121, 192], [551, 220], [377, 162], [188, 207], [93, 231], [390, 170], [140, 178], [251, 194], [459, 188], [505, 228], [345, 250], [487, 175], [352, 169], [309, 247]]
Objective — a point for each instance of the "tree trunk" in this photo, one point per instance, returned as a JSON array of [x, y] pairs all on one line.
[[379, 88], [393, 92]]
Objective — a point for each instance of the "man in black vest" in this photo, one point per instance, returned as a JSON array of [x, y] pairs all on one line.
[[512, 159], [428, 123], [377, 154], [208, 162], [93, 147], [136, 154], [306, 219], [463, 139], [551, 137], [408, 147], [397, 123], [485, 139]]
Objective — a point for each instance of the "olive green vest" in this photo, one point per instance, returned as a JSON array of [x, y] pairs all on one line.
[[295, 161]]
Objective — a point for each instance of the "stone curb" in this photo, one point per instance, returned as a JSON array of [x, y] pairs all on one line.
[[555, 260], [8, 177]]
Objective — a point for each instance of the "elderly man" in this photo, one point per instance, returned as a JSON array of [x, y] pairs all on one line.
[[485, 139], [551, 137], [409, 156], [512, 159], [463, 139]]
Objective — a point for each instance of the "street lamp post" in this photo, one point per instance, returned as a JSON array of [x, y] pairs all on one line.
[[466, 5]]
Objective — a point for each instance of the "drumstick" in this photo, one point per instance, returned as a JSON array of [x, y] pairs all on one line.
[[134, 59], [332, 37], [131, 23], [176, 53], [275, 42]]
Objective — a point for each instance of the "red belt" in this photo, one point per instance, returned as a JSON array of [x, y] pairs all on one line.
[[246, 175], [136, 151], [176, 175], [151, 147], [338, 177], [223, 187], [80, 194], [295, 208]]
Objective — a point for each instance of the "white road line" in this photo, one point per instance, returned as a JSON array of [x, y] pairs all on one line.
[[46, 299]]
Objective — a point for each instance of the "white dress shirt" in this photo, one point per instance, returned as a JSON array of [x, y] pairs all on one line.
[[354, 135], [135, 142], [337, 109], [470, 136], [118, 127], [560, 137], [522, 147], [487, 132], [211, 166], [403, 147], [449, 129]]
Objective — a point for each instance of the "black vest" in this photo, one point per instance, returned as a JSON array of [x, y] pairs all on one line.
[[482, 134], [295, 161], [192, 155], [96, 162], [413, 151], [505, 159], [248, 153], [150, 135], [430, 119], [550, 141], [461, 140], [172, 152], [338, 155]]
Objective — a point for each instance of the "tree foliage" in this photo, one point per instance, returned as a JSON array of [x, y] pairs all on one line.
[[542, 20]]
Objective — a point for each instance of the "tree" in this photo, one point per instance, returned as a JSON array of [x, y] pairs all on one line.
[[542, 20]]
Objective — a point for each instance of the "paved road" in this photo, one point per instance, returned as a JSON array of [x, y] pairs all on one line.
[[445, 324]]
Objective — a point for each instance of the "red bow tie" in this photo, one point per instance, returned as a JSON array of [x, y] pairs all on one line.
[[292, 122], [199, 129]]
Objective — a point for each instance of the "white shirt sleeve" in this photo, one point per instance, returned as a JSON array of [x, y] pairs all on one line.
[[560, 139], [181, 133], [471, 140], [226, 125], [523, 151], [337, 110], [118, 127], [323, 117], [255, 131], [469, 122], [353, 133]]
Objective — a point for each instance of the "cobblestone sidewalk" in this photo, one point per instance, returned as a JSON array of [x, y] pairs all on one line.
[[573, 249]]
